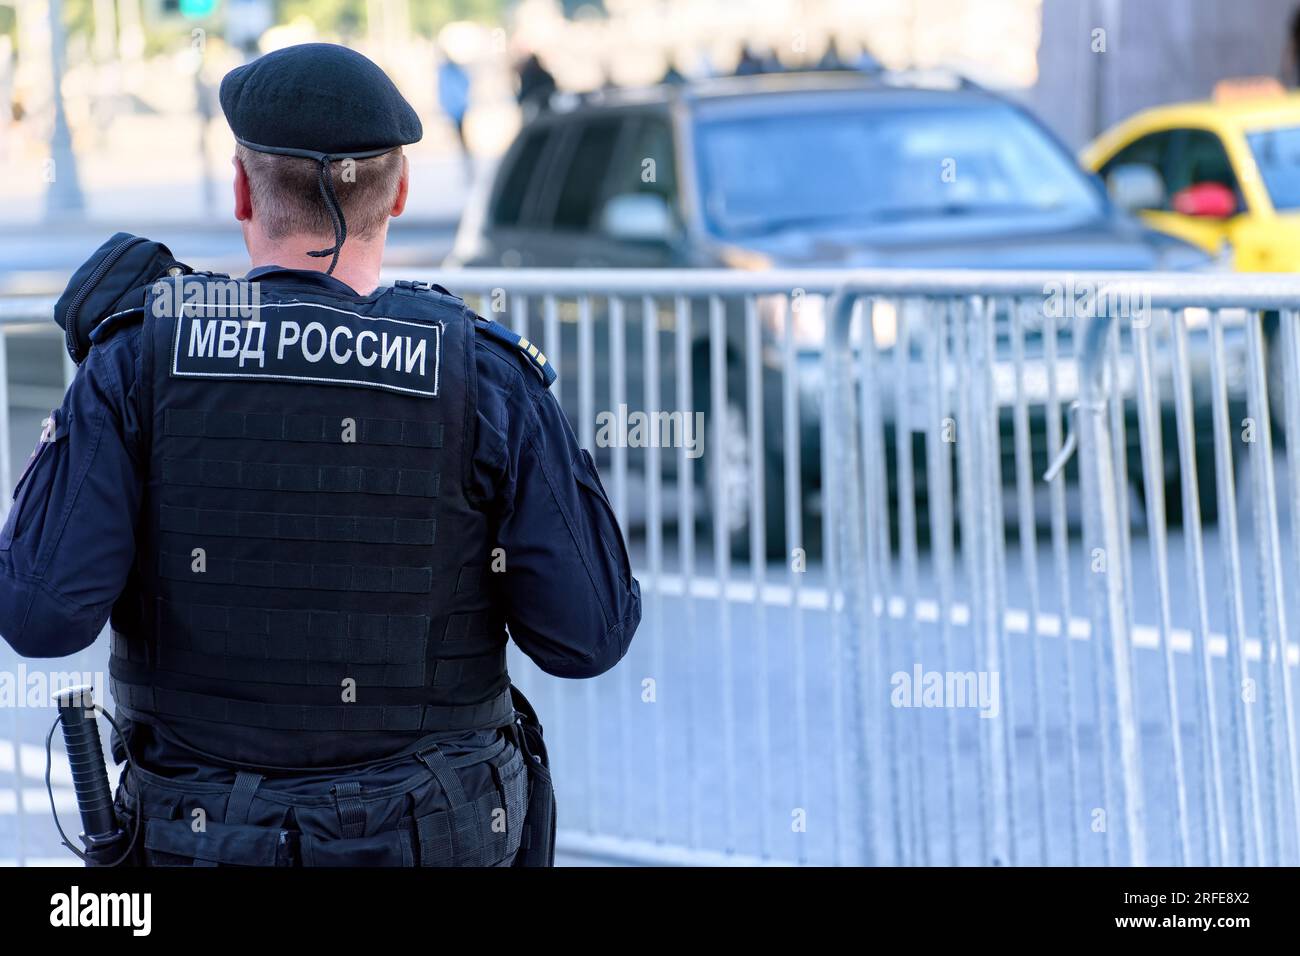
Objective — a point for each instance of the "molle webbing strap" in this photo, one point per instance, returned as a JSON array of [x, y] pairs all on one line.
[[352, 812], [327, 479], [297, 673], [347, 529], [259, 426], [241, 796], [284, 632], [316, 647], [448, 673], [323, 718], [286, 574], [457, 835], [468, 628]]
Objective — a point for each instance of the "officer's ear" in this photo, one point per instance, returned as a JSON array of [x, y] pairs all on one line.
[[243, 193], [399, 203]]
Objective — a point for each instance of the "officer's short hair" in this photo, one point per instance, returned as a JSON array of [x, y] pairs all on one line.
[[287, 199]]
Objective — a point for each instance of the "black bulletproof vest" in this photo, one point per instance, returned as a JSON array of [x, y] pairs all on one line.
[[309, 588]]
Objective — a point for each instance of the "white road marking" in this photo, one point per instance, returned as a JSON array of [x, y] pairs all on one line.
[[1016, 621]]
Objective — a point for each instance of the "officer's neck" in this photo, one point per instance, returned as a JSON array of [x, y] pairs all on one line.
[[358, 266]]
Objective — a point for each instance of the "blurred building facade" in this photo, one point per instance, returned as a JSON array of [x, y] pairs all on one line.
[[1155, 51]]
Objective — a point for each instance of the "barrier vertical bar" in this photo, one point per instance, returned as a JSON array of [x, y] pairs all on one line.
[[586, 437], [655, 556], [1243, 726], [1028, 535], [794, 539], [758, 566], [686, 556], [968, 451], [722, 557], [1110, 616], [1216, 830], [1272, 608], [521, 315], [1002, 751], [905, 482], [6, 490], [1064, 581], [1290, 345], [1148, 398], [940, 435], [618, 454], [875, 523], [551, 332]]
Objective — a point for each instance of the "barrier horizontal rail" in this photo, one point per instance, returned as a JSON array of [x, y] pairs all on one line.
[[756, 718], [1165, 290]]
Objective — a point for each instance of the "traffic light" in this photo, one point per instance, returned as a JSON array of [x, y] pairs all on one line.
[[186, 9]]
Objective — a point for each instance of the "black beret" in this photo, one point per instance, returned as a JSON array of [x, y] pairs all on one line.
[[314, 99]]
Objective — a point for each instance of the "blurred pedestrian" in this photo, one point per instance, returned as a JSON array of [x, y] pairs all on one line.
[[536, 85], [1291, 58], [831, 58], [749, 63], [453, 100]]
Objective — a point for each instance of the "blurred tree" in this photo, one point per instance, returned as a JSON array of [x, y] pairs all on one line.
[[330, 16], [427, 16], [344, 16], [432, 16]]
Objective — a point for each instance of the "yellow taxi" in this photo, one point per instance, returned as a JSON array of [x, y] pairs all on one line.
[[1223, 174]]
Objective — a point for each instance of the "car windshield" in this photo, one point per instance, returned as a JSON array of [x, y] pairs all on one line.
[[830, 169], [1277, 154]]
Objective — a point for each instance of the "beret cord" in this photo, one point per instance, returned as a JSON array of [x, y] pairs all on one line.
[[326, 182]]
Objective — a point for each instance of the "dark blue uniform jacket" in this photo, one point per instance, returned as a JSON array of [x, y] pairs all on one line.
[[66, 549]]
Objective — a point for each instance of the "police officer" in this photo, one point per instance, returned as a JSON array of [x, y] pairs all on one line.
[[312, 507]]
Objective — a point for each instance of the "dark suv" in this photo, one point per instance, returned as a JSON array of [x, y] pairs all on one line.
[[819, 170]]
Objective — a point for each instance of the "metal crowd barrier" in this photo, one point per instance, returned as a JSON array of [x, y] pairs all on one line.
[[904, 644]]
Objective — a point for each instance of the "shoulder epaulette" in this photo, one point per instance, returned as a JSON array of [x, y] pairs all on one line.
[[530, 352]]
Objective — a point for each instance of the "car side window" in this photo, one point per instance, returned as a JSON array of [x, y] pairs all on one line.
[[509, 205], [1200, 158], [589, 167], [1153, 150], [651, 165]]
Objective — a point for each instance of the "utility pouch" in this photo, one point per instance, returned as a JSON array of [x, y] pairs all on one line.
[[537, 847]]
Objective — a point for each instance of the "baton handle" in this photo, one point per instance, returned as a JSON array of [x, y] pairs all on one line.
[[86, 758]]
